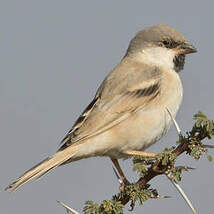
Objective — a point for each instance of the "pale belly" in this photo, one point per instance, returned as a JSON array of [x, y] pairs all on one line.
[[139, 132], [136, 133]]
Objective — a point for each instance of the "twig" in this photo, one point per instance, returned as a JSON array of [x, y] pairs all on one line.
[[202, 129], [176, 185]]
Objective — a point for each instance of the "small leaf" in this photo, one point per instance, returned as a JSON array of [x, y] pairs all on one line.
[[209, 157]]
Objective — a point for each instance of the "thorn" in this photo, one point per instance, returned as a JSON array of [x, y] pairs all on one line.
[[185, 168], [175, 123], [180, 190], [118, 177], [68, 209], [160, 197], [208, 146]]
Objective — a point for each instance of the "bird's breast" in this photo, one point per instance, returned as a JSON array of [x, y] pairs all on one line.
[[171, 91], [149, 124], [145, 126]]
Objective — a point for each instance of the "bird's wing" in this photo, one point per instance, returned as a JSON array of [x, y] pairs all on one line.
[[127, 89]]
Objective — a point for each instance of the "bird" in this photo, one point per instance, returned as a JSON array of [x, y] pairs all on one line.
[[130, 110]]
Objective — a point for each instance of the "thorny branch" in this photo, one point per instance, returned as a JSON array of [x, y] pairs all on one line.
[[202, 129], [191, 144]]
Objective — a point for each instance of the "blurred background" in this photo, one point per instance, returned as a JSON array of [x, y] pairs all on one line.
[[54, 54]]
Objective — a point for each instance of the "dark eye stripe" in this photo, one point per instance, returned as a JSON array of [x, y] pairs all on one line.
[[170, 44]]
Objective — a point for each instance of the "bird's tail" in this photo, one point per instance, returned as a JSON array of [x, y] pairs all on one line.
[[43, 167]]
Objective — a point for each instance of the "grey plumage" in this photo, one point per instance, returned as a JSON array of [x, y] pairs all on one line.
[[154, 35]]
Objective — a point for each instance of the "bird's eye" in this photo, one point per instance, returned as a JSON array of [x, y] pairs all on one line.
[[169, 44], [166, 43]]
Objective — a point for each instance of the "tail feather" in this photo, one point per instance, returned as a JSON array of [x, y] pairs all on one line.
[[42, 168]]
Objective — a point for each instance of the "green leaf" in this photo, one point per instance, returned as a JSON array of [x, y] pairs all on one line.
[[91, 208], [111, 207]]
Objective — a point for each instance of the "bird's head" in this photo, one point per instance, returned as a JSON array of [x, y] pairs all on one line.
[[160, 45]]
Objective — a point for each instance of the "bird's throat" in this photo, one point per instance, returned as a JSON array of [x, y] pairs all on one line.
[[179, 61]]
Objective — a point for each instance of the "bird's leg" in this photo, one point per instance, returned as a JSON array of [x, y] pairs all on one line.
[[141, 153], [120, 171]]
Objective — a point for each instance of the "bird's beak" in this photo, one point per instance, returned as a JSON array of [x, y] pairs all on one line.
[[187, 48]]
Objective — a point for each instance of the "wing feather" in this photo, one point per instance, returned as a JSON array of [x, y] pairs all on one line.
[[115, 101]]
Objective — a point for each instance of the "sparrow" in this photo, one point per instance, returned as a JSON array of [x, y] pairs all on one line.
[[130, 110]]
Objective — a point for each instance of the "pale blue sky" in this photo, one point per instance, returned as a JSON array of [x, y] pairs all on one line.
[[54, 54]]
